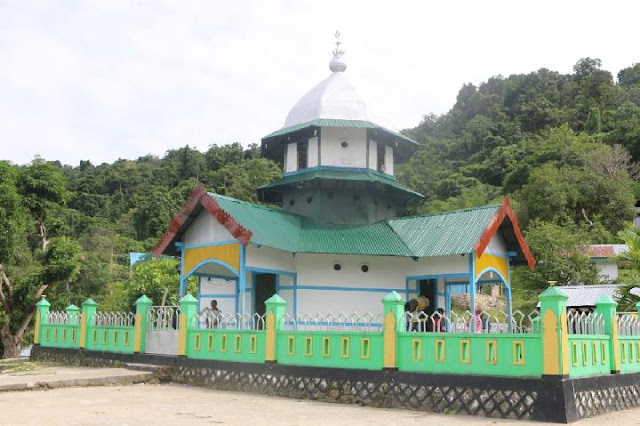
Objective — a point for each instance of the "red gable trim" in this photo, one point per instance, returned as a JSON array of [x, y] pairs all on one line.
[[504, 211], [199, 196]]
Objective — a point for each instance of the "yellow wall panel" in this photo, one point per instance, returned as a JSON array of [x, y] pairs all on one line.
[[227, 253], [487, 260]]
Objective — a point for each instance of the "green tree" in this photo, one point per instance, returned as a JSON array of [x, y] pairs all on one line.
[[29, 272]]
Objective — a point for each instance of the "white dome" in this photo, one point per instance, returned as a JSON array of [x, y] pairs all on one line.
[[333, 98]]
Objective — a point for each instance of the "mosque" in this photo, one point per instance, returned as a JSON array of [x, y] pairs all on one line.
[[339, 241]]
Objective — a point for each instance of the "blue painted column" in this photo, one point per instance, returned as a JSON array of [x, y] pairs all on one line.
[[183, 280], [472, 293], [508, 295], [242, 279]]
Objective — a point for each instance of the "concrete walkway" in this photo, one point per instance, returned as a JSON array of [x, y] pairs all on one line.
[[17, 375], [183, 405]]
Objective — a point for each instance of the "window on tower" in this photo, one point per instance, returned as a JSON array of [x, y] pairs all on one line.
[[303, 150]]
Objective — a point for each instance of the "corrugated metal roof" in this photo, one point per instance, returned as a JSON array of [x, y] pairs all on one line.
[[337, 174], [374, 239], [331, 122], [445, 233], [417, 236], [588, 295], [270, 227], [606, 250]]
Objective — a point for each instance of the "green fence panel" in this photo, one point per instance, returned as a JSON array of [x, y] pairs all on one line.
[[588, 355], [110, 338], [60, 336], [629, 350], [510, 355], [336, 349], [226, 345]]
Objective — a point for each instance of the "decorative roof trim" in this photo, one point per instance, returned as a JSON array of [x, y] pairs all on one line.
[[337, 122], [199, 196], [504, 211]]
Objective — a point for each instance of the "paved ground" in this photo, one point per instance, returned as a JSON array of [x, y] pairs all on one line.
[[23, 375], [182, 405]]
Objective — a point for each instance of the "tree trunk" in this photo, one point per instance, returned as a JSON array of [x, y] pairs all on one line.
[[12, 344]]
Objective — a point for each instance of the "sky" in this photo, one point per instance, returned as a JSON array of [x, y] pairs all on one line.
[[110, 79]]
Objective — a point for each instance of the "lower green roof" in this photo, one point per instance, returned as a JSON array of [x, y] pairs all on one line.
[[414, 236], [345, 174]]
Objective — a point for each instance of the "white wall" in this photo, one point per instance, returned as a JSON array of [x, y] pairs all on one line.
[[333, 154], [607, 270], [385, 272], [212, 288], [206, 229], [291, 157], [269, 258], [497, 244], [439, 265]]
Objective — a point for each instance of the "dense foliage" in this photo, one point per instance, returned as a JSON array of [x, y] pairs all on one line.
[[563, 146]]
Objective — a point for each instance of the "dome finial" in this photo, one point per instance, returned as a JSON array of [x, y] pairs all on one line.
[[338, 64]]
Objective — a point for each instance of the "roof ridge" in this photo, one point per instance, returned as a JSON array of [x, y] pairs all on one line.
[[446, 213], [404, 243]]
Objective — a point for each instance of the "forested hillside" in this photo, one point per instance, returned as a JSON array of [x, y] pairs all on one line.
[[563, 147]]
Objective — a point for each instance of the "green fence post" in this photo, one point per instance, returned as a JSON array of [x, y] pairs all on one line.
[[188, 308], [607, 307], [275, 308], [555, 339], [638, 308], [393, 312], [89, 307], [42, 309], [142, 307]]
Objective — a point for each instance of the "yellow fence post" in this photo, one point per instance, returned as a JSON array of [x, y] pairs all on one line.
[[140, 332], [555, 339], [393, 312], [275, 308], [188, 308], [42, 309]]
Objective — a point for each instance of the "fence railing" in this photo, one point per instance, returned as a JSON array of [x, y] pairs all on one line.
[[63, 318], [585, 323], [113, 319], [485, 322], [208, 320], [163, 318], [332, 322], [628, 325]]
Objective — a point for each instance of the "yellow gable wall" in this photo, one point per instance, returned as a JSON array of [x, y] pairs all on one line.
[[487, 260], [227, 253]]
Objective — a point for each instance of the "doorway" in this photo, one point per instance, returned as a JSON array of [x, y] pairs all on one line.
[[264, 286], [427, 288]]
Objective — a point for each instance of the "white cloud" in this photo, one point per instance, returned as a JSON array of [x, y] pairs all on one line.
[[103, 80]]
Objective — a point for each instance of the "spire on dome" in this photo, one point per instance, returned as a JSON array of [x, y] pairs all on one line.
[[338, 64]]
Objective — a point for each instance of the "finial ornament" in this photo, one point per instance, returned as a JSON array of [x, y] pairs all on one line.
[[338, 64]]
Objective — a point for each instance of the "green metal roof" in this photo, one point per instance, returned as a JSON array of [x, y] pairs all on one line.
[[445, 233], [416, 236], [362, 175], [325, 122]]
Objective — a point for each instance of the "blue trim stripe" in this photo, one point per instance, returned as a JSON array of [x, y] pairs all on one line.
[[269, 271], [436, 276], [360, 289], [219, 296]]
